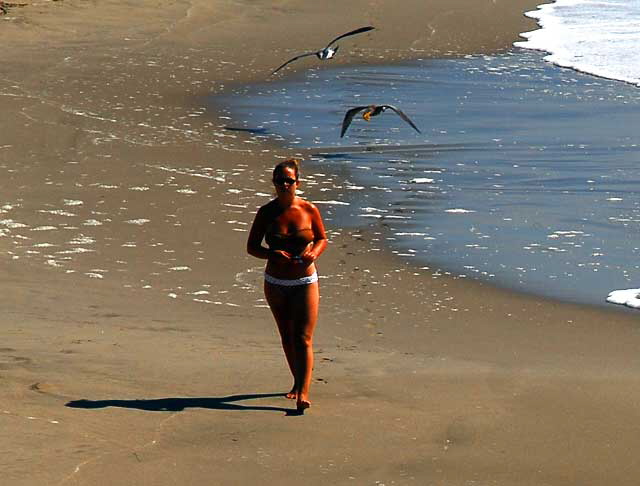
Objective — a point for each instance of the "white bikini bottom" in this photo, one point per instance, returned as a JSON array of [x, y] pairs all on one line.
[[291, 282]]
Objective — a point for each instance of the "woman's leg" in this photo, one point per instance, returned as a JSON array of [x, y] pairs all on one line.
[[278, 303], [305, 316]]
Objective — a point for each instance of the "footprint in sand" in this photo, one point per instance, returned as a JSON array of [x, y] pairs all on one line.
[[7, 362], [45, 389]]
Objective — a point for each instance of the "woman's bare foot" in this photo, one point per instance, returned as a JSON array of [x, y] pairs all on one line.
[[302, 404], [292, 395]]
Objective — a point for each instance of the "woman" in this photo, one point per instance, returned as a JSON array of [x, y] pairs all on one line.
[[294, 233]]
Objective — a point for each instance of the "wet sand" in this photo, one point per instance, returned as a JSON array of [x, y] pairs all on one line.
[[148, 357]]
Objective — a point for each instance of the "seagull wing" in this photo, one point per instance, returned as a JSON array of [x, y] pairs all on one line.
[[353, 32], [348, 116], [295, 59], [403, 116]]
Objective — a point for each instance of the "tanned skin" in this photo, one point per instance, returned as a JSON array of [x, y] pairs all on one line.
[[295, 309]]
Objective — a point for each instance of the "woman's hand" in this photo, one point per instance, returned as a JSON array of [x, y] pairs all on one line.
[[280, 256], [307, 257]]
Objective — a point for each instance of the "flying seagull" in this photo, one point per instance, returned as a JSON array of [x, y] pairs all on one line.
[[372, 110], [327, 52]]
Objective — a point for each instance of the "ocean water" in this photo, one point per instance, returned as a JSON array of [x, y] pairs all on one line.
[[524, 174], [599, 37]]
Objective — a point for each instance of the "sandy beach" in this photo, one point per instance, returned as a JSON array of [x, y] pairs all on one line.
[[137, 347]]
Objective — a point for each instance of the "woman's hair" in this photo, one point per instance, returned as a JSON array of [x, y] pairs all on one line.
[[292, 163]]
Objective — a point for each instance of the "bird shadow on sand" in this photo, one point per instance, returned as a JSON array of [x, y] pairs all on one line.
[[253, 131], [178, 404]]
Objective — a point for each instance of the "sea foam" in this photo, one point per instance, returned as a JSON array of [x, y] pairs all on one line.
[[628, 297], [596, 37]]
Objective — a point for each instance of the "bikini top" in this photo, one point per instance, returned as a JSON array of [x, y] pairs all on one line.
[[294, 242]]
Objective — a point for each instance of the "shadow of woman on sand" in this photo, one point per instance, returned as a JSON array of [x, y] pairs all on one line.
[[178, 404]]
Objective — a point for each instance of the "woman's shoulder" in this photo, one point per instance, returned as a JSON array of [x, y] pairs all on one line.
[[307, 205], [266, 211], [270, 206]]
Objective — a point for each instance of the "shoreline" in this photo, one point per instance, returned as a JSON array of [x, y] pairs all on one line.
[[463, 382], [261, 105]]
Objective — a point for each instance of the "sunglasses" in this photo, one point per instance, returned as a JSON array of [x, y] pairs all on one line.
[[281, 181]]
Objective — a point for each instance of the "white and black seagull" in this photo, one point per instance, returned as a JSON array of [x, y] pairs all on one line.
[[327, 52], [372, 110]]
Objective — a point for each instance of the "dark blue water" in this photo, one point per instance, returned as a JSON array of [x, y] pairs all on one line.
[[525, 174]]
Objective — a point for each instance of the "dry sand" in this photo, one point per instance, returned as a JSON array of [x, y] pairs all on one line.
[[420, 378]]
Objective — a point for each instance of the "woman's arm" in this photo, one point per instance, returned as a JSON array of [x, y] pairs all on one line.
[[256, 234], [319, 243]]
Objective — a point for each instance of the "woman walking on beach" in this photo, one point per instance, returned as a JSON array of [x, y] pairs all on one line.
[[294, 232]]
